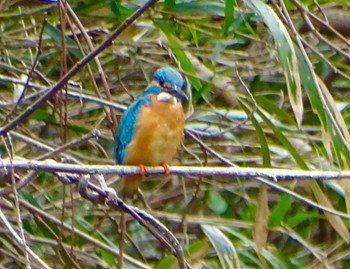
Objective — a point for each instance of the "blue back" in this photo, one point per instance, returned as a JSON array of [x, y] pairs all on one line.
[[126, 128]]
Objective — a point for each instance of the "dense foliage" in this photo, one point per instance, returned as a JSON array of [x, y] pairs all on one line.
[[269, 86]]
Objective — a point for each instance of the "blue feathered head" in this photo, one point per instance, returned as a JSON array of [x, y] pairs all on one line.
[[171, 81]]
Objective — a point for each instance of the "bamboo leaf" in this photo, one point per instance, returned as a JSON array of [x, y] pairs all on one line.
[[286, 54], [334, 220], [280, 210], [217, 203], [223, 246], [229, 15], [56, 35]]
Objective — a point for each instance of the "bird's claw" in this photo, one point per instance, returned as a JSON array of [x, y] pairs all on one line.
[[142, 169], [166, 168]]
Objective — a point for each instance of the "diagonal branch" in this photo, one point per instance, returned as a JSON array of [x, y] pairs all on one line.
[[76, 68]]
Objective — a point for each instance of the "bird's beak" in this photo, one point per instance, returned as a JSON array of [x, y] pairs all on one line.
[[178, 93]]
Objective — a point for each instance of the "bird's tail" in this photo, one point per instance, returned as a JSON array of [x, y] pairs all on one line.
[[130, 184]]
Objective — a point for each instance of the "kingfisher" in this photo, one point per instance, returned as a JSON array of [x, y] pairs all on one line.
[[151, 129]]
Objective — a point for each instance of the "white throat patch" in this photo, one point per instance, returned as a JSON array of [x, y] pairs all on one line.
[[166, 97]]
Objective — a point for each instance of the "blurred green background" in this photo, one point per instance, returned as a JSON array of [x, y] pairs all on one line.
[[269, 85]]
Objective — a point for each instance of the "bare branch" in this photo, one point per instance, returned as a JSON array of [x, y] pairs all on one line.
[[247, 172], [76, 68], [20, 241]]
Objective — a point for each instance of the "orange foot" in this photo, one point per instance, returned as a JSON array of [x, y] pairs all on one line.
[[142, 169], [166, 168]]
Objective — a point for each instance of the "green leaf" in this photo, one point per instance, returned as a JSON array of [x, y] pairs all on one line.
[[286, 54], [107, 256], [41, 115], [269, 105], [180, 54], [29, 197], [271, 255], [217, 203], [223, 246], [169, 3], [203, 8], [283, 139], [120, 12], [56, 35], [280, 210], [79, 129], [264, 147], [335, 132], [167, 262], [301, 217], [229, 15]]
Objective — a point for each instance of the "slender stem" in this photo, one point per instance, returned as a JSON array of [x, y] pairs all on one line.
[[74, 70]]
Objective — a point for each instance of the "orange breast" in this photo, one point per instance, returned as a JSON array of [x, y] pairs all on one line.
[[158, 133]]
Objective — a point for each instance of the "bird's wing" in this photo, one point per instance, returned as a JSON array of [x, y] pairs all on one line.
[[126, 127]]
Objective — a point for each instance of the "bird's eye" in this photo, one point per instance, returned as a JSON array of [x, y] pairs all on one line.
[[167, 85], [161, 82]]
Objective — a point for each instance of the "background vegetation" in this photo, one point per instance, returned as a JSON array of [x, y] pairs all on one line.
[[269, 85]]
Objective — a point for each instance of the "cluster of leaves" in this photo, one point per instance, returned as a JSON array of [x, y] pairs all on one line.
[[268, 86]]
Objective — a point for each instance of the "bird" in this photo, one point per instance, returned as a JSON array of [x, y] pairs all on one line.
[[151, 129]]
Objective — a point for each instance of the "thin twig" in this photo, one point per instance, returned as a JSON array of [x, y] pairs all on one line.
[[76, 68], [320, 37], [20, 241], [323, 23], [112, 249], [212, 152], [109, 114], [158, 230], [9, 148], [58, 151], [122, 236], [30, 73]]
